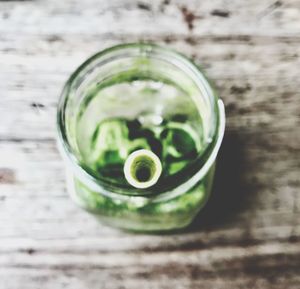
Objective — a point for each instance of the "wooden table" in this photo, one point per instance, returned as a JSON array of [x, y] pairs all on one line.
[[249, 234]]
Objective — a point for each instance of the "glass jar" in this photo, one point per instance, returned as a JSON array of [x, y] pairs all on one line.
[[140, 96]]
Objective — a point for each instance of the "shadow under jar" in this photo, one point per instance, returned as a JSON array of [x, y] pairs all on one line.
[[140, 97]]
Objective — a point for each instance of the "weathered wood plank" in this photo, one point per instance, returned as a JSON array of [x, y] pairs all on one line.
[[268, 194], [246, 78], [200, 17], [91, 278], [258, 266]]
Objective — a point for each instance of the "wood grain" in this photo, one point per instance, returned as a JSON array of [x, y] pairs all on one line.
[[248, 236]]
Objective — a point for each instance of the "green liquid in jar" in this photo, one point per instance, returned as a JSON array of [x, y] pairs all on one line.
[[115, 120]]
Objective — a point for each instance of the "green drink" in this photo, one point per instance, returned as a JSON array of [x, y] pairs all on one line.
[[140, 98]]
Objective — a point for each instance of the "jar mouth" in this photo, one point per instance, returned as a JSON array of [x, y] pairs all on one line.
[[194, 172]]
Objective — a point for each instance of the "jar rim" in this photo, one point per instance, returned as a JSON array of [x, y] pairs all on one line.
[[107, 189]]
